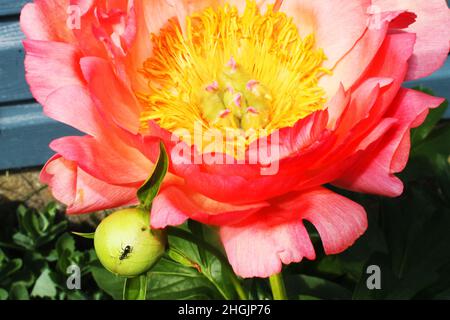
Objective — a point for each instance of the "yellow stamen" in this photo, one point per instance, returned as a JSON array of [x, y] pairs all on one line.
[[233, 72]]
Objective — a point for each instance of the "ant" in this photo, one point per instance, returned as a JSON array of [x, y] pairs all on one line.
[[126, 252]]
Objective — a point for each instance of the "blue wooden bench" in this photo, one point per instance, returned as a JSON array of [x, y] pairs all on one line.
[[25, 132]]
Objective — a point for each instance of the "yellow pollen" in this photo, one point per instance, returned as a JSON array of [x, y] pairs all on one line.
[[232, 72]]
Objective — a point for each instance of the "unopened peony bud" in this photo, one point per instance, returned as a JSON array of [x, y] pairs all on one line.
[[126, 245]]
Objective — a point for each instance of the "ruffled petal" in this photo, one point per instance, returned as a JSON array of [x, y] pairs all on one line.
[[372, 96], [356, 62], [339, 221], [65, 183], [81, 192], [174, 205], [73, 106], [54, 75], [374, 171], [113, 97], [258, 246], [46, 20], [113, 163], [51, 65], [432, 28]]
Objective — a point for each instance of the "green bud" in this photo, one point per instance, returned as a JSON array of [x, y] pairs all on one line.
[[126, 245]]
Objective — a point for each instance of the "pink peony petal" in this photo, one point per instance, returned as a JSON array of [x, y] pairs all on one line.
[[374, 172], [432, 28], [174, 205], [355, 63], [113, 98], [81, 192], [258, 246], [81, 113], [338, 220], [120, 164], [46, 20], [51, 65], [336, 24], [60, 175]]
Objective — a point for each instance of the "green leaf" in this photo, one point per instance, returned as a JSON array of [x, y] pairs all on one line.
[[24, 216], [35, 262], [307, 297], [10, 267], [24, 276], [416, 227], [76, 295], [44, 286], [52, 233], [37, 228], [417, 231], [436, 142], [442, 170], [181, 258], [24, 241], [444, 295], [393, 286], [85, 235], [18, 291], [388, 280], [171, 280], [108, 282], [207, 259], [135, 288], [50, 212], [47, 217], [421, 133], [65, 242], [32, 223], [65, 248], [3, 294], [315, 287], [150, 188]]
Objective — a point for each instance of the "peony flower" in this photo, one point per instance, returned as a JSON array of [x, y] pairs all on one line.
[[315, 84]]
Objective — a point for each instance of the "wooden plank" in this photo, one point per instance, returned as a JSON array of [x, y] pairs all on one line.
[[11, 7], [25, 133], [13, 86]]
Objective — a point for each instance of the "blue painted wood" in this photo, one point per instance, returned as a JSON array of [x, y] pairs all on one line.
[[11, 7], [25, 134], [13, 86]]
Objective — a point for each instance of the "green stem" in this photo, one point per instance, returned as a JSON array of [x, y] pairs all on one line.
[[143, 290], [135, 288], [277, 286], [239, 289]]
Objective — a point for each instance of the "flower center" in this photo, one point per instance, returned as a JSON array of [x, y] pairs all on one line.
[[241, 73]]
